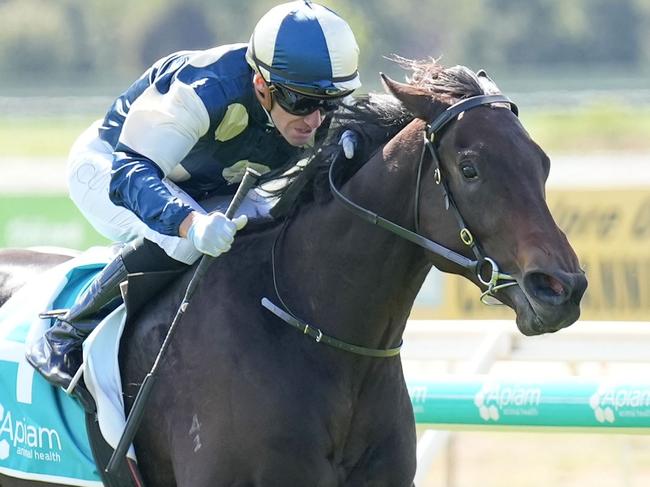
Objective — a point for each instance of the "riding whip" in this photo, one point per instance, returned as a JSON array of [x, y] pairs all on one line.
[[135, 415]]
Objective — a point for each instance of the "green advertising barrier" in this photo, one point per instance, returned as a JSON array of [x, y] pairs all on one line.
[[52, 220], [477, 402]]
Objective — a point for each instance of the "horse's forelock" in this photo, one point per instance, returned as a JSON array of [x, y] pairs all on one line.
[[446, 85]]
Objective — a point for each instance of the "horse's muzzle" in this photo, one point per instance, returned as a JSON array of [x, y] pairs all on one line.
[[553, 301]]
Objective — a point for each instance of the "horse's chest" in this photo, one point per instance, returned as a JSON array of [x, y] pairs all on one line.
[[334, 445], [351, 437], [287, 424]]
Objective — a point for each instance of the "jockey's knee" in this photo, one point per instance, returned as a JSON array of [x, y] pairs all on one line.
[[143, 255]]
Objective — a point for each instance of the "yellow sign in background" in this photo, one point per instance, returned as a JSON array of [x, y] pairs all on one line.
[[610, 232]]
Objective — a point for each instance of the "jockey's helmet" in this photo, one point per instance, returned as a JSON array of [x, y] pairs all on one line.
[[305, 48]]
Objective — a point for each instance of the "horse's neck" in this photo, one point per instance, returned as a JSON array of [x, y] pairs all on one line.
[[350, 278]]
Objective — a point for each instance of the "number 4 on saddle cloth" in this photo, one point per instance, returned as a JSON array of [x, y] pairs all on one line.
[[44, 433]]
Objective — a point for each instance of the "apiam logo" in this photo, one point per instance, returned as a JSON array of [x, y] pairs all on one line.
[[27, 440], [495, 400], [611, 402], [4, 444]]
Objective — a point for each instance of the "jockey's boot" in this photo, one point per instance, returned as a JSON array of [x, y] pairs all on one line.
[[57, 356]]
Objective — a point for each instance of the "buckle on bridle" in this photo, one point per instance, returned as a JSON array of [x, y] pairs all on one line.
[[468, 239]]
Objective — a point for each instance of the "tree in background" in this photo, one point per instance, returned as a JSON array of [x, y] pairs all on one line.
[[176, 27], [99, 44], [32, 41], [559, 33]]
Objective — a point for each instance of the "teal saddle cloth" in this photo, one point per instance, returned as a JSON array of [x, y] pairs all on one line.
[[42, 431]]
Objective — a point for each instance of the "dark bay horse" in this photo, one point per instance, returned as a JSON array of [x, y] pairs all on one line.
[[18, 266], [244, 399]]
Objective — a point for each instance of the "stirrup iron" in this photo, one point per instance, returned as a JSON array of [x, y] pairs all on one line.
[[53, 313]]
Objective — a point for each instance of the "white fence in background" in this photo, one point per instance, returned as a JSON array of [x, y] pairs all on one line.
[[496, 349], [458, 341], [566, 100]]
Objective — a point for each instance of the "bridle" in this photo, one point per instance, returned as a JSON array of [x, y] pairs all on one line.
[[480, 266], [486, 269]]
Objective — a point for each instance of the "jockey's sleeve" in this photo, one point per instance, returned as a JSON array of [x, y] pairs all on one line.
[[159, 131]]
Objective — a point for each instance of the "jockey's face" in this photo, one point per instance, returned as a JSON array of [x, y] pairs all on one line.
[[298, 130]]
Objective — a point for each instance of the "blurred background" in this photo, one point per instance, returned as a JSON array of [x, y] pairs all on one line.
[[579, 71]]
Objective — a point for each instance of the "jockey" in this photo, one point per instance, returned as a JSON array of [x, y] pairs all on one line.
[[186, 130]]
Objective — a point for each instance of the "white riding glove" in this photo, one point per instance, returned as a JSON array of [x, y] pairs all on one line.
[[213, 234], [349, 141]]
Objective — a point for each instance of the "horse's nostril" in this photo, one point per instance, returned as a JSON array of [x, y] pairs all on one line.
[[579, 287], [546, 288]]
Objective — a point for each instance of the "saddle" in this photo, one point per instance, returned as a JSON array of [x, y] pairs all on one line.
[[44, 434], [81, 443]]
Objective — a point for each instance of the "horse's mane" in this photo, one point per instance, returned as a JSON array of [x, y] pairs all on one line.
[[376, 118]]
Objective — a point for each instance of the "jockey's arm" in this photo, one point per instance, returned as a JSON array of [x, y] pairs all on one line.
[[158, 133], [136, 184]]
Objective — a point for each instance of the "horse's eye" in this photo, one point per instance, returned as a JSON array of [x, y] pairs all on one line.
[[469, 171]]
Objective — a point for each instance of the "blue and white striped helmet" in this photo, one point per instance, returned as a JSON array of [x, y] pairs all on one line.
[[307, 48]]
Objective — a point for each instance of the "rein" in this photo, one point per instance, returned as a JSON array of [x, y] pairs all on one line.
[[480, 266], [320, 337], [289, 317]]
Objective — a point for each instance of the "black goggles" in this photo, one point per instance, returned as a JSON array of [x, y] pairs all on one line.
[[298, 104]]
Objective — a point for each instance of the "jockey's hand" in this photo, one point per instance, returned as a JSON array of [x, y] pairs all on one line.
[[349, 141], [213, 234]]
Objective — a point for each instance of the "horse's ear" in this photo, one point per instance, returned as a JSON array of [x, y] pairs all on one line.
[[417, 101]]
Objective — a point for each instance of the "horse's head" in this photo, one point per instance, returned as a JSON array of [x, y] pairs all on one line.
[[494, 176]]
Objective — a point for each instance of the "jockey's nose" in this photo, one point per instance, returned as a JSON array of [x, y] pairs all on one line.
[[314, 119]]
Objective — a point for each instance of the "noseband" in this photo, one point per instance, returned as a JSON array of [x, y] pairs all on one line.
[[483, 267]]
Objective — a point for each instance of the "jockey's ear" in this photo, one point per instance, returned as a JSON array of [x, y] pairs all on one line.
[[262, 91], [417, 100]]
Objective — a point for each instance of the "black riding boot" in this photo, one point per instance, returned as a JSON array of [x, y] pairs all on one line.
[[58, 355]]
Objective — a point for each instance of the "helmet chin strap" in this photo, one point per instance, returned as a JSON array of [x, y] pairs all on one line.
[[268, 114]]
